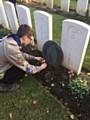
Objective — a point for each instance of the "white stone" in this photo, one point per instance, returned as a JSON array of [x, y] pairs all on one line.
[[82, 6], [74, 42], [43, 25], [24, 15], [3, 17], [65, 4], [50, 4], [11, 14]]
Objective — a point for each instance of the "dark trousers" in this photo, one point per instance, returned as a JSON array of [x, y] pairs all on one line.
[[12, 75]]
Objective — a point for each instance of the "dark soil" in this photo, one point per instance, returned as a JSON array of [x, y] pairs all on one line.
[[56, 80]]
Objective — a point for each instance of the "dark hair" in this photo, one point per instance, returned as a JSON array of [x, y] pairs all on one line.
[[13, 1], [24, 30]]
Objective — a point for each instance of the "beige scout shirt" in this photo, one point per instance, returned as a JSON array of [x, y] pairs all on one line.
[[10, 55]]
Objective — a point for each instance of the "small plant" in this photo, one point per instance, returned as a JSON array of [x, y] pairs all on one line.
[[3, 32], [78, 88]]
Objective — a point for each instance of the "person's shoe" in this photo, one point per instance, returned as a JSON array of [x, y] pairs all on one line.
[[8, 87]]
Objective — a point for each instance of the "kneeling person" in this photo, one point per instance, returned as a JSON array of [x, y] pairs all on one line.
[[13, 61]]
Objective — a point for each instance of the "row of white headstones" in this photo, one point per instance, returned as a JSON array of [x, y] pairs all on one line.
[[81, 9], [74, 39]]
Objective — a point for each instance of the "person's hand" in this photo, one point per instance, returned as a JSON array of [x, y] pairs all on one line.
[[44, 65], [42, 60], [35, 69]]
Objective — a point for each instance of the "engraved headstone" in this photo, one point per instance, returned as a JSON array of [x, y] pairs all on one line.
[[74, 42]]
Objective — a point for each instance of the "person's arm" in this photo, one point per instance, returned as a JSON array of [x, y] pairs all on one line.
[[30, 57], [27, 56], [15, 57]]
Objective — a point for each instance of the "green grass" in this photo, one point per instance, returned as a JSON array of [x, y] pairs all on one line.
[[73, 4], [19, 105]]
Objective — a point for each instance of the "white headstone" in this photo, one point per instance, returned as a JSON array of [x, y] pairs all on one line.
[[74, 42], [3, 17], [82, 6], [11, 14], [50, 4], [43, 25], [24, 15], [65, 4]]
